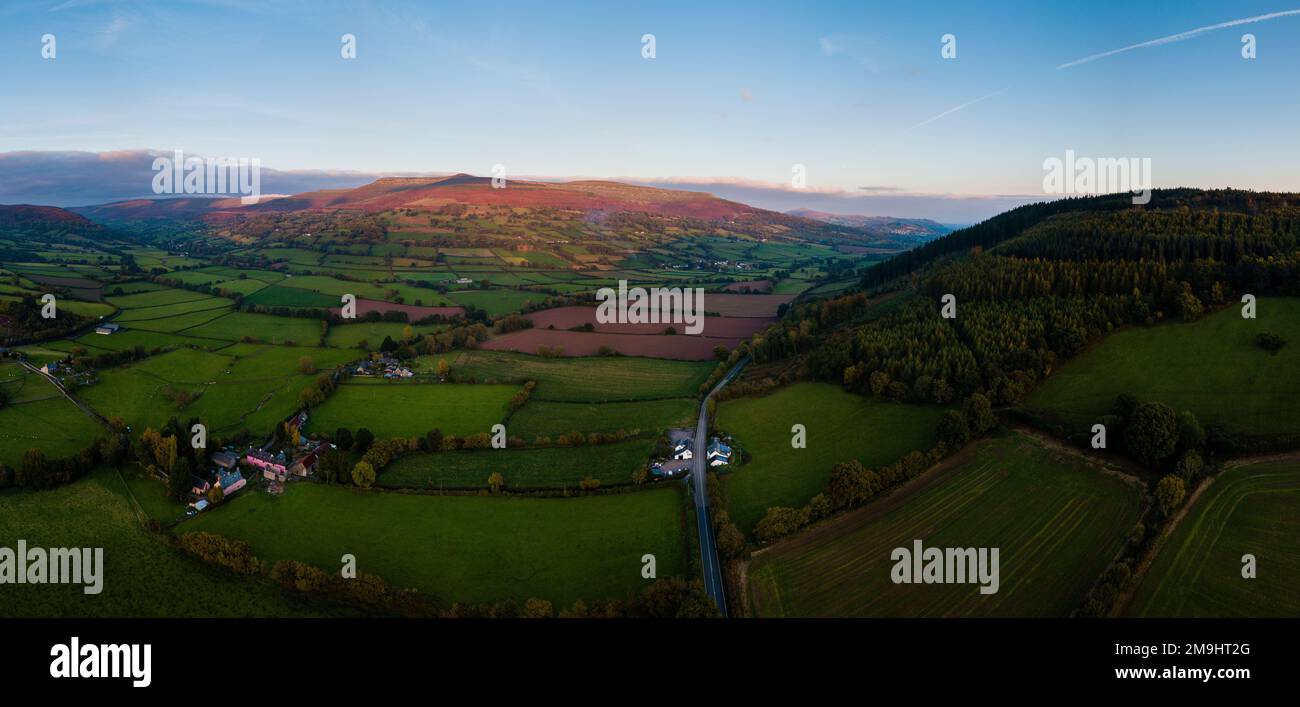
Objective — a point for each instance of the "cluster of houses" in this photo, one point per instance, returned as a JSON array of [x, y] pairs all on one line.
[[719, 265], [384, 367], [225, 475], [279, 467], [68, 374], [276, 467], [718, 453]]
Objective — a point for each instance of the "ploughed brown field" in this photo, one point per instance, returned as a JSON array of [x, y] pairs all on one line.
[[80, 288], [576, 343], [413, 313], [744, 305], [752, 286], [714, 327]]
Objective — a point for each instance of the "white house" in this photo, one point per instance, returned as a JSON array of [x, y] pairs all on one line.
[[719, 454], [683, 449]]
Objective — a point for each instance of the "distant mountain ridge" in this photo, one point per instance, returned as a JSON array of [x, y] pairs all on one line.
[[596, 199], [919, 230]]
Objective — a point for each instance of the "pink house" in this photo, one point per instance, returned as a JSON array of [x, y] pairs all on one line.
[[274, 467]]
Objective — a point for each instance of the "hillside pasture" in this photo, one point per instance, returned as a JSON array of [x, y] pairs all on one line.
[[1252, 509], [41, 420], [840, 426], [143, 575], [1212, 367], [1056, 520]]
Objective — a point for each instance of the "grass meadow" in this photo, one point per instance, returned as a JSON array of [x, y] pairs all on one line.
[[471, 549], [143, 576], [406, 409], [538, 468], [1246, 510], [597, 379], [1212, 367], [840, 426], [1057, 521]]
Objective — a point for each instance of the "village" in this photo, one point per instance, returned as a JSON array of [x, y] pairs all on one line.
[[276, 464]]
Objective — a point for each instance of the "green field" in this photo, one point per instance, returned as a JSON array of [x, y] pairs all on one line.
[[253, 390], [841, 426], [550, 467], [1057, 521], [1197, 573], [39, 417], [650, 417], [365, 290], [164, 311], [595, 379], [278, 296], [373, 333], [406, 409], [1212, 367], [142, 575], [261, 327], [467, 548], [128, 338], [165, 297], [495, 302], [178, 322]]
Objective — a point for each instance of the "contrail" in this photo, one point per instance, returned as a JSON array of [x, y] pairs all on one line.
[[950, 111], [1181, 36]]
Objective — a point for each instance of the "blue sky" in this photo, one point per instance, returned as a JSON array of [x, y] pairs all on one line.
[[739, 91]]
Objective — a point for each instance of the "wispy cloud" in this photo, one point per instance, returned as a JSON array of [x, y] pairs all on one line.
[[836, 46], [880, 189], [108, 36], [954, 109], [1181, 36]]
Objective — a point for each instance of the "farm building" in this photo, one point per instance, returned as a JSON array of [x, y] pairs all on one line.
[[199, 486], [670, 469], [231, 482], [304, 466], [225, 460], [274, 466], [106, 328], [719, 454]]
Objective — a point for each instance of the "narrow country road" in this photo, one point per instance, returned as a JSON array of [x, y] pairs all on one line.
[[91, 412], [709, 563]]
